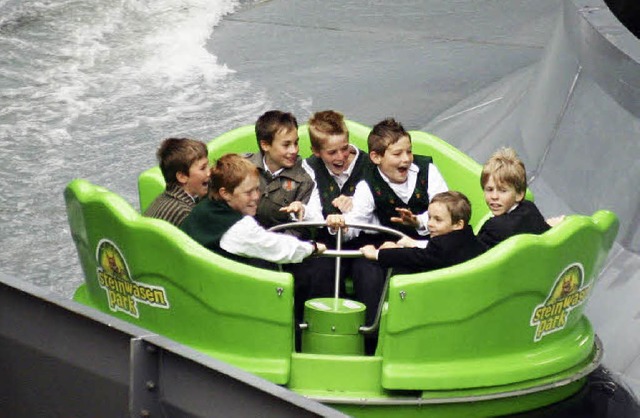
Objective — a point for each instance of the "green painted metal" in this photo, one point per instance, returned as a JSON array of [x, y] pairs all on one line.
[[508, 323], [332, 326]]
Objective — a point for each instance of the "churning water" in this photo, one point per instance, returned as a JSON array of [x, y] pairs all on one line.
[[89, 89]]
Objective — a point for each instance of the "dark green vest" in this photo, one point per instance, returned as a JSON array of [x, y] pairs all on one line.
[[208, 221], [386, 201], [328, 188]]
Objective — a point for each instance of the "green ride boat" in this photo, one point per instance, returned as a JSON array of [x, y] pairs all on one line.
[[499, 334]]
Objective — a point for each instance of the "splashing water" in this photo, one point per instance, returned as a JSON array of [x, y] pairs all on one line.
[[89, 89]]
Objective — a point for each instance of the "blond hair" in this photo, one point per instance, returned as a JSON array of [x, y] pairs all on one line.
[[323, 125], [506, 168]]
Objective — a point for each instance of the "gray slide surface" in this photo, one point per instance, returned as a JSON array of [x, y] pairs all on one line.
[[558, 80]]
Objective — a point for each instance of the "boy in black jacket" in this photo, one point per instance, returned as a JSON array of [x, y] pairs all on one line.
[[451, 239], [504, 182]]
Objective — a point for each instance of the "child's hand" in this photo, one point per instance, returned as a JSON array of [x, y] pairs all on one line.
[[343, 203], [390, 244], [406, 218], [370, 252], [336, 221], [555, 220], [296, 209], [406, 242]]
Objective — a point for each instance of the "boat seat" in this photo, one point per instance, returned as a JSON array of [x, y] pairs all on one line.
[[511, 315], [148, 272]]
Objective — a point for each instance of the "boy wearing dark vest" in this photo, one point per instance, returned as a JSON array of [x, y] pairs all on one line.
[[185, 168], [337, 167], [224, 222], [397, 191], [451, 239], [504, 182], [394, 192]]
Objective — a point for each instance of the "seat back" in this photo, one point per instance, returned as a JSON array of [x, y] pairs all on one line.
[[460, 171], [148, 272], [513, 314]]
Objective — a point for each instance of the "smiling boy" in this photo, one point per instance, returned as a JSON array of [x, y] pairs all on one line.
[[504, 182], [393, 190], [336, 165], [451, 239], [395, 193], [285, 185], [285, 190], [185, 168], [225, 223]]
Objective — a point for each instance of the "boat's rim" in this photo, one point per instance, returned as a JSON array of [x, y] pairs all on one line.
[[587, 369]]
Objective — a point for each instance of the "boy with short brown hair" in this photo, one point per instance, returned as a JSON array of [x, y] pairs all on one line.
[[397, 191], [394, 192], [451, 239], [286, 187], [185, 168]]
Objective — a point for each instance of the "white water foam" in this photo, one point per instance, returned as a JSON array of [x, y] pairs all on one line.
[[89, 89]]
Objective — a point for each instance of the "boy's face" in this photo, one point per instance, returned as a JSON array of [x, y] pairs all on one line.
[[396, 160], [245, 196], [197, 180], [440, 220], [335, 153], [283, 151], [500, 197]]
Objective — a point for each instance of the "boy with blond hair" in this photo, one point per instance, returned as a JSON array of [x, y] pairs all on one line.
[[504, 182], [185, 168], [336, 165], [451, 239]]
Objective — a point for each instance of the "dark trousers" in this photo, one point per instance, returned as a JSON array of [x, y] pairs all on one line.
[[313, 278]]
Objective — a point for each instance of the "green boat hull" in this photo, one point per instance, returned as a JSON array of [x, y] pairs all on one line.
[[499, 334]]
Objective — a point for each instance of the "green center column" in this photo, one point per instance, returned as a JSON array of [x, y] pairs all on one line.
[[332, 327]]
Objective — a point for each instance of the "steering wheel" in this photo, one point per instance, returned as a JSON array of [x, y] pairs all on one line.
[[339, 252]]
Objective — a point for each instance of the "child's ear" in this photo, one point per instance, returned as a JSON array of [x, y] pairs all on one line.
[[375, 157], [315, 152], [519, 196], [224, 194], [458, 225], [182, 178], [264, 146]]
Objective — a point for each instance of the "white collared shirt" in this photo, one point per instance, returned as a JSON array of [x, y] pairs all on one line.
[[364, 205], [247, 238], [314, 207], [266, 168]]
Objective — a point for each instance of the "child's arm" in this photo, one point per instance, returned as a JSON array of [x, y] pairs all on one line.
[[362, 211], [313, 209], [406, 218], [247, 238], [370, 252]]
